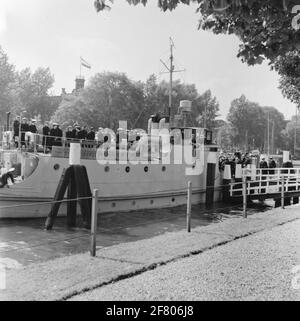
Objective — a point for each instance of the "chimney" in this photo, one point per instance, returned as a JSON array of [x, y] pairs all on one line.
[[79, 83]]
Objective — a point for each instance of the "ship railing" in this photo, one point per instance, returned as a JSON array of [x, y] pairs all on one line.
[[263, 182], [6, 137]]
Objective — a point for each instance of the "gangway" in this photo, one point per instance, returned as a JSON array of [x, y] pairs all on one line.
[[266, 183]]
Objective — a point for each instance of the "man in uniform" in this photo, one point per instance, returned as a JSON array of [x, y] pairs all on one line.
[[32, 126], [46, 132], [16, 126], [272, 164], [24, 129], [91, 134]]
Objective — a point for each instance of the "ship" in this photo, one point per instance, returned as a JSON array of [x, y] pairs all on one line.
[[152, 174], [130, 174]]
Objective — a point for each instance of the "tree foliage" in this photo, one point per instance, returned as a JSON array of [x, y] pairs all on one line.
[[111, 97], [32, 92], [7, 78], [25, 90], [249, 122]]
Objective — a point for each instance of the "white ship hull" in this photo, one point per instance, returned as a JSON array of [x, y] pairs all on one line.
[[162, 185]]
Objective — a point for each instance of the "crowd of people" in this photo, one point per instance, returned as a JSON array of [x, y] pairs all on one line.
[[52, 134], [246, 159]]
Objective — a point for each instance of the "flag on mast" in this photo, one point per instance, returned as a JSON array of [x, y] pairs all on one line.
[[84, 63]]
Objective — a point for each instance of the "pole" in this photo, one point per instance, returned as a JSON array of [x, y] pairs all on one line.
[[189, 207], [295, 133], [272, 145], [268, 135], [244, 197], [20, 147], [282, 192], [171, 80], [94, 222]]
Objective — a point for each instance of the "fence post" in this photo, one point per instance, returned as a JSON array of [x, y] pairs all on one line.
[[282, 192], [244, 197], [189, 207], [94, 222]]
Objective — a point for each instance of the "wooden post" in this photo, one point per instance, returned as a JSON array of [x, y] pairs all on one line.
[[282, 192], [189, 207], [94, 222], [244, 197]]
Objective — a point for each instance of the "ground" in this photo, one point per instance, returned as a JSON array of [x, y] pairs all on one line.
[[237, 259]]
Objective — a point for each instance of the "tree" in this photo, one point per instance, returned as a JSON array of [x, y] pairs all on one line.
[[205, 110], [250, 124], [32, 92], [288, 134], [247, 121], [108, 98], [7, 78], [157, 100]]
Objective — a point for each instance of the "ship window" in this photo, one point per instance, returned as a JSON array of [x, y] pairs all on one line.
[[151, 202], [127, 169], [164, 168], [56, 167], [106, 169], [113, 204], [146, 169], [133, 203], [173, 199]]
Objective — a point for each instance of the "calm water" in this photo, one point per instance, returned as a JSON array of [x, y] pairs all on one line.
[[24, 241]]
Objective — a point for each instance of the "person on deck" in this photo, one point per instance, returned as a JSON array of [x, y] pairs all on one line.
[[32, 126], [46, 132], [91, 134], [263, 164], [82, 133], [24, 129], [272, 164], [16, 127]]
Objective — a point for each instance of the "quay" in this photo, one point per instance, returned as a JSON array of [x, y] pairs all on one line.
[[241, 272]]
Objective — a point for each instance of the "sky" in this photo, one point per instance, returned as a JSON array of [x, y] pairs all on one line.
[[55, 33]]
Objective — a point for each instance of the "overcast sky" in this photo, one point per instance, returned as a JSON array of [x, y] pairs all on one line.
[[55, 33]]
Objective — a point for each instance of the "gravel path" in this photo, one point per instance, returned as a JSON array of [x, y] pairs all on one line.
[[257, 267]]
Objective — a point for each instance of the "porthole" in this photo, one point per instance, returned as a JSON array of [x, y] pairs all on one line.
[[173, 199], [164, 168], [106, 169], [56, 167], [146, 169], [127, 169], [113, 205]]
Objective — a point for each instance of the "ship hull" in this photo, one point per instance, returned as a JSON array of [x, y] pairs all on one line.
[[122, 187]]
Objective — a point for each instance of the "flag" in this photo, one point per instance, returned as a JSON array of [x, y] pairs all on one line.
[[85, 63]]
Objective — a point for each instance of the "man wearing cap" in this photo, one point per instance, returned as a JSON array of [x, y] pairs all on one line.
[[32, 126], [272, 164], [91, 134], [46, 132], [24, 129], [82, 133], [75, 131], [16, 126]]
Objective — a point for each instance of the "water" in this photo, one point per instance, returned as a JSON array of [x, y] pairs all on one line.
[[24, 241]]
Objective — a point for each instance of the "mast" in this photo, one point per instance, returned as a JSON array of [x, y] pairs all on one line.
[[171, 70]]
